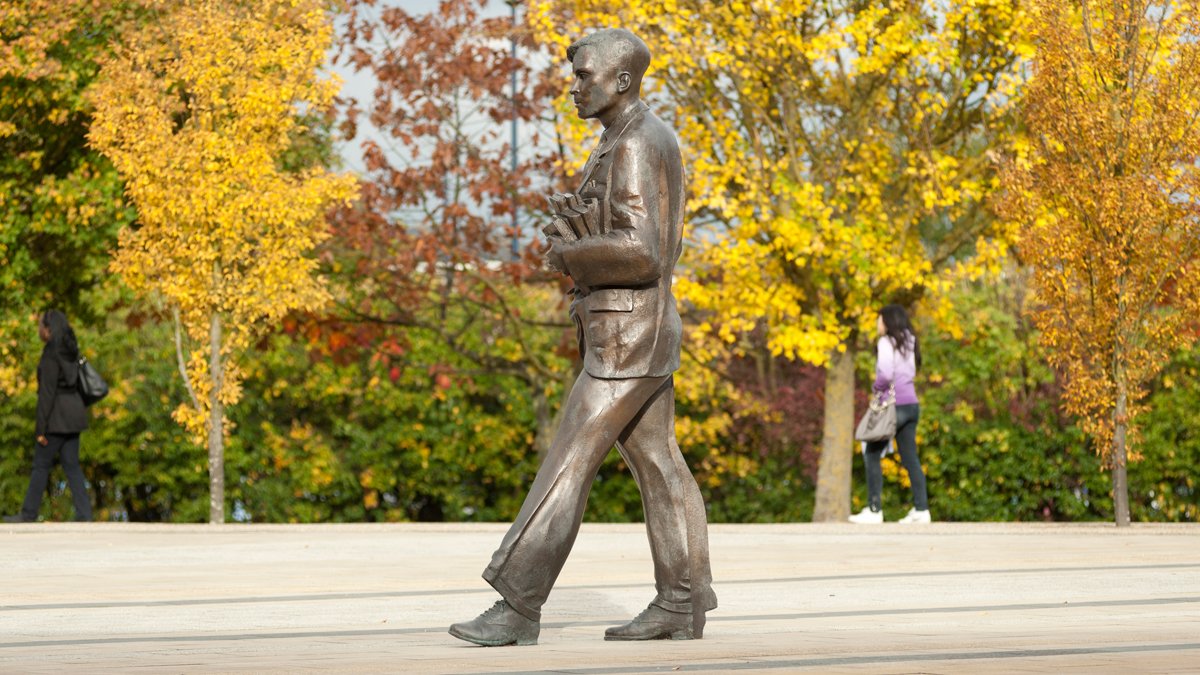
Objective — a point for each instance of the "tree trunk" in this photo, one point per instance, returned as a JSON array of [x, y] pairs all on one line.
[[1120, 476], [216, 426], [837, 448]]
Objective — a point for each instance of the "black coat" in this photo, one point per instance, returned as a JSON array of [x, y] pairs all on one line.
[[60, 408]]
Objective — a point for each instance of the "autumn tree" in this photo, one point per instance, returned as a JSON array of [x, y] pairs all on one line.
[[1107, 189], [197, 112], [443, 242], [60, 201], [837, 152]]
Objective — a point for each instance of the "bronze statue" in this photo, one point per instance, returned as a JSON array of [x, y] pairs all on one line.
[[618, 239]]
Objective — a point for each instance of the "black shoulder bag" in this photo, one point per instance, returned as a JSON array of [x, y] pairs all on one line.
[[92, 386]]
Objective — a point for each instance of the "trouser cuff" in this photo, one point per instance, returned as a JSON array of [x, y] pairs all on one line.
[[704, 601], [674, 607], [511, 596]]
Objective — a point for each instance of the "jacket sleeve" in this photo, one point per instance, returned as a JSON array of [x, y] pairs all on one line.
[[47, 375], [627, 255], [885, 364]]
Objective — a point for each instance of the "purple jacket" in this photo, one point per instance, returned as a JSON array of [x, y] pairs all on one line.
[[895, 368]]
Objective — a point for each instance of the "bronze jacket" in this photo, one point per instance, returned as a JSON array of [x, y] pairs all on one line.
[[624, 308]]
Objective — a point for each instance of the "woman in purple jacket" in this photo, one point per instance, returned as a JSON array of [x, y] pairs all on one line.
[[896, 364]]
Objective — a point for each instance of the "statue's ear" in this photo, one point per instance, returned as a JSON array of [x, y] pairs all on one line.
[[624, 80]]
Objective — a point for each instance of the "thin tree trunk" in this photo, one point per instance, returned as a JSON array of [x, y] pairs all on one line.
[[181, 361], [216, 426], [837, 448], [1120, 475]]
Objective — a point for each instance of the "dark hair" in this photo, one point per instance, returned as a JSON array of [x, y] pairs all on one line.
[[62, 337], [628, 50], [897, 327]]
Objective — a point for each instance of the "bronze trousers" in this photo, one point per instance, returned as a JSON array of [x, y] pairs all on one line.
[[638, 416]]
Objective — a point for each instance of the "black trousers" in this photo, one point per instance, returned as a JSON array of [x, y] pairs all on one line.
[[63, 448], [907, 417]]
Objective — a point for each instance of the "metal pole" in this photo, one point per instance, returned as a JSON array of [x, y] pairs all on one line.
[[515, 237]]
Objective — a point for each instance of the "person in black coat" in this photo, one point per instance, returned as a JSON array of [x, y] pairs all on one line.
[[61, 416]]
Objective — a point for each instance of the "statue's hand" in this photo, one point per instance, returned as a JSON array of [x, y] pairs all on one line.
[[554, 259]]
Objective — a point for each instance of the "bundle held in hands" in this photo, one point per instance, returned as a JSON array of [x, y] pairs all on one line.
[[574, 218]]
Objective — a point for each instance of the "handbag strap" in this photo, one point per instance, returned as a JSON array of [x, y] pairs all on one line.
[[896, 353], [891, 390]]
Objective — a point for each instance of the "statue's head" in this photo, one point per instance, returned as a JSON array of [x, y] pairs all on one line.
[[608, 67]]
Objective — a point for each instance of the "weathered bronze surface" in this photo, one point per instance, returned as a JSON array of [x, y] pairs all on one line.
[[618, 238]]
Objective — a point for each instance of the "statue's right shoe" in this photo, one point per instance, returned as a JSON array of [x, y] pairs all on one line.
[[656, 623], [499, 626]]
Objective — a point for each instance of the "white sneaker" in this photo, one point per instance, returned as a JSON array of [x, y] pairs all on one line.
[[915, 516], [867, 517]]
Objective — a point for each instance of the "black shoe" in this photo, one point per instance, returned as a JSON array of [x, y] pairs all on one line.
[[656, 623], [17, 519], [499, 626]]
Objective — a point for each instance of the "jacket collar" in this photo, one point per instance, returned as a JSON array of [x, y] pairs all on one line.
[[612, 134], [617, 129]]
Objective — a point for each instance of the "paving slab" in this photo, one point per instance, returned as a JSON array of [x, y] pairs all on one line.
[[891, 598]]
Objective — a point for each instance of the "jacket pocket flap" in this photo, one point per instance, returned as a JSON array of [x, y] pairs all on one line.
[[611, 300]]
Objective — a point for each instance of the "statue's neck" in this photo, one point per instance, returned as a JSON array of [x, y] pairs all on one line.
[[621, 112]]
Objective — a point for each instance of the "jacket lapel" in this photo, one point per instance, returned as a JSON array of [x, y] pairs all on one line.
[[609, 139]]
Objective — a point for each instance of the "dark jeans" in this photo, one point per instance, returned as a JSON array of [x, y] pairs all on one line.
[[906, 439], [65, 449]]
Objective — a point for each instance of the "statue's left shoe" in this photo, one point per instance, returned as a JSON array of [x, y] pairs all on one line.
[[656, 623]]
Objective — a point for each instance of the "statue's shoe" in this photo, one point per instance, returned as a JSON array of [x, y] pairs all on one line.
[[499, 626], [656, 623]]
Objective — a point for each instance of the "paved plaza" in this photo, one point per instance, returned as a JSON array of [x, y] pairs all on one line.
[[941, 598]]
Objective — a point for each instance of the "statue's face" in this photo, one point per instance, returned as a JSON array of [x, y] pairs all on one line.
[[595, 88]]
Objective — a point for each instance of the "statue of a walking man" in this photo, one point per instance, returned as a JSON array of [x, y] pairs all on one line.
[[618, 239]]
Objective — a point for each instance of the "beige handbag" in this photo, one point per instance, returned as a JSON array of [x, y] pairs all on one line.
[[879, 422]]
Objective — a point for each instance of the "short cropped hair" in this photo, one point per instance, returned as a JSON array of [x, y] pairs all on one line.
[[627, 49]]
